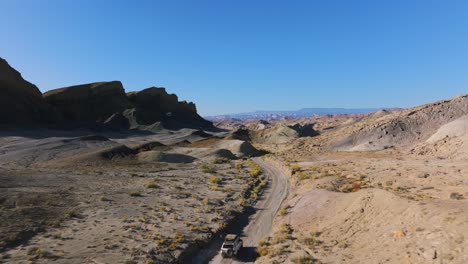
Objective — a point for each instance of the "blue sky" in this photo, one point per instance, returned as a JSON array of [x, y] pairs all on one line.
[[240, 55]]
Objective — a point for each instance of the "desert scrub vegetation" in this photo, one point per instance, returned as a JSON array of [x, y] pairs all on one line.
[[179, 237], [135, 194], [304, 260], [205, 168], [72, 214], [278, 244], [284, 210], [39, 253], [171, 198], [456, 196], [255, 171], [214, 180], [295, 168], [263, 247], [316, 171], [256, 184], [284, 233], [312, 241], [220, 160], [300, 175], [152, 185], [243, 201]]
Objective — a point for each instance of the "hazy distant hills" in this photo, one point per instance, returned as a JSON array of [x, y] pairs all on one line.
[[305, 112]]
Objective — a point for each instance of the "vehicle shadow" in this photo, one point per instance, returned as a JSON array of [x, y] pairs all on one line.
[[247, 254]]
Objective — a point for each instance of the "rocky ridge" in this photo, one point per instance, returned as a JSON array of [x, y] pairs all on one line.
[[101, 105]]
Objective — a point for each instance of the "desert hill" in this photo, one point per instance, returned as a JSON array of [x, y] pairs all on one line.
[[386, 187], [403, 128], [416, 129]]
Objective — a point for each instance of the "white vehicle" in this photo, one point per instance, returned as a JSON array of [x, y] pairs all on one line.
[[231, 246]]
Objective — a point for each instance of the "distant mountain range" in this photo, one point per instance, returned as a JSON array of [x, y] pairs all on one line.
[[305, 112]]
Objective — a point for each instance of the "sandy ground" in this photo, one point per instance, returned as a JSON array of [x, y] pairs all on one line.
[[260, 224], [378, 207], [64, 202]]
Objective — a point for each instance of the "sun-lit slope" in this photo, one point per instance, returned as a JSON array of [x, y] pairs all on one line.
[[403, 129]]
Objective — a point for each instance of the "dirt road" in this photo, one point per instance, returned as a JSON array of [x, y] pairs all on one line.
[[260, 223]]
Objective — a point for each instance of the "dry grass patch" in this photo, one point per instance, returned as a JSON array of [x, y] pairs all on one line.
[[214, 180], [135, 194], [304, 260]]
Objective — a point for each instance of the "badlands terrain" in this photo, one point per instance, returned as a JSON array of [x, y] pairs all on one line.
[[91, 174], [389, 187], [94, 174]]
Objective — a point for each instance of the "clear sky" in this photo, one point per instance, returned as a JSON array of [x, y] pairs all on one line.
[[241, 55]]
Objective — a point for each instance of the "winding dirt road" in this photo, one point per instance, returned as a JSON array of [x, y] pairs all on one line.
[[260, 223]]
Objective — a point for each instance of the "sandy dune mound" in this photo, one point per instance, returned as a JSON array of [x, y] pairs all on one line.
[[374, 226], [456, 128], [403, 128], [201, 133], [240, 134], [183, 143], [206, 154], [160, 156], [275, 135], [379, 113], [450, 141], [92, 156], [224, 153], [348, 122], [90, 138], [261, 124], [205, 143], [149, 146], [221, 147], [306, 130], [117, 152], [238, 147], [217, 148], [27, 151], [280, 134]]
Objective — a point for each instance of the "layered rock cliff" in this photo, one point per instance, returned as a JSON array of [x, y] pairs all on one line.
[[156, 105], [21, 102], [103, 105], [88, 104]]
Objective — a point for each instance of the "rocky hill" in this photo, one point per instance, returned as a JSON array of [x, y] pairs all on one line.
[[21, 102], [403, 128], [156, 105], [88, 104], [103, 105]]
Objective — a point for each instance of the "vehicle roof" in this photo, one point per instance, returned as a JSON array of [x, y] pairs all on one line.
[[231, 237]]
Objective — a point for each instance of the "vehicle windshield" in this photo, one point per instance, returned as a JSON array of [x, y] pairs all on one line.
[[228, 246]]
